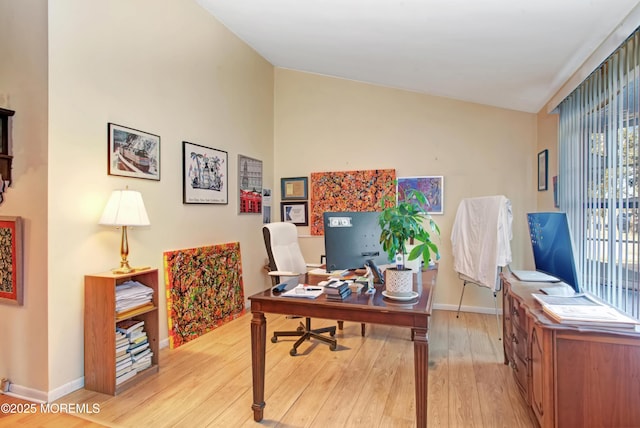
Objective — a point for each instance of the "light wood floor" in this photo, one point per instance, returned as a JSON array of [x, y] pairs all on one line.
[[367, 382]]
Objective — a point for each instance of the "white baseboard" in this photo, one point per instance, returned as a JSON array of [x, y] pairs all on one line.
[[66, 389], [28, 394]]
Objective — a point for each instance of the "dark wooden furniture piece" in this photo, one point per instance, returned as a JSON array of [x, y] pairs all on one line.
[[363, 308], [100, 318], [571, 376]]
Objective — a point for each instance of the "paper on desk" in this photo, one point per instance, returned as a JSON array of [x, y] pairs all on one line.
[[320, 271], [301, 290]]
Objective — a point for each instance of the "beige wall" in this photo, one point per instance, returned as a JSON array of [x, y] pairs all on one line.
[[548, 139], [23, 88], [328, 124], [169, 68]]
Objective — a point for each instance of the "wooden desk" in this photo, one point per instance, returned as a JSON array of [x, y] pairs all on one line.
[[363, 308], [571, 376]]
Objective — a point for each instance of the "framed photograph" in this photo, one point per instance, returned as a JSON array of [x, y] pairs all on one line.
[[431, 186], [11, 291], [542, 169], [133, 153], [295, 212], [294, 188], [249, 185], [205, 175]]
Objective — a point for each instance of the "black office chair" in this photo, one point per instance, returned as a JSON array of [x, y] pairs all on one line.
[[286, 264]]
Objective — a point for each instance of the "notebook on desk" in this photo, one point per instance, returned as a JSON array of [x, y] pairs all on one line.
[[533, 276]]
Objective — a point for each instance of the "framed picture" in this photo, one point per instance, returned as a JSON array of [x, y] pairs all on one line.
[[295, 212], [431, 186], [133, 153], [249, 185], [542, 169], [294, 188], [11, 258], [205, 172]]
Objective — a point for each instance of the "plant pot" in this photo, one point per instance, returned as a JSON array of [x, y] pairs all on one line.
[[399, 282]]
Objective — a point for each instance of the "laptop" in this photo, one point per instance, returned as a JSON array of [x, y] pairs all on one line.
[[533, 276]]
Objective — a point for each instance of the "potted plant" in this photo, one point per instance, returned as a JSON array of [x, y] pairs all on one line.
[[402, 226]]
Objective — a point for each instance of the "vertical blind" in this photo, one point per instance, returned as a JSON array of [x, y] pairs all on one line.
[[598, 177]]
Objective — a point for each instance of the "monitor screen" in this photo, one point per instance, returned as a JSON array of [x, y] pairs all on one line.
[[352, 238], [552, 246]]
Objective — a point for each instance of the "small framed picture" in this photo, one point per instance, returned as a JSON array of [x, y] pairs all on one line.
[[11, 291], [295, 212], [133, 153], [249, 185], [205, 175], [431, 186], [294, 188], [542, 169]]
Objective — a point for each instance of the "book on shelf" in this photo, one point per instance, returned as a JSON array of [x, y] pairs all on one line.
[[124, 364], [128, 325], [146, 353], [124, 370], [133, 350], [139, 339], [584, 310], [122, 357], [122, 349], [125, 376], [142, 364]]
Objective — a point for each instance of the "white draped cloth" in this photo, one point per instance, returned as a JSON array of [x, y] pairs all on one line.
[[481, 239]]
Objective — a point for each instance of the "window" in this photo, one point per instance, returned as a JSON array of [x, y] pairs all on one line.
[[598, 176]]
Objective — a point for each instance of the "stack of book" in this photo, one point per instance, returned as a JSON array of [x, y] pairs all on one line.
[[124, 364], [337, 290], [584, 310], [138, 350]]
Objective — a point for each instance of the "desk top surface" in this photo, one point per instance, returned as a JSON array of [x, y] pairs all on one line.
[[424, 285]]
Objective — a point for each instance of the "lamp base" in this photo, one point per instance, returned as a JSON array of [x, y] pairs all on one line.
[[123, 270]]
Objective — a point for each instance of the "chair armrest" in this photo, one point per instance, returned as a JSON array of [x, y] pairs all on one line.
[[283, 273]]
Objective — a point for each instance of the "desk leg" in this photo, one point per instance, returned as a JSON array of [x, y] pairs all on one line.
[[258, 349], [421, 362]]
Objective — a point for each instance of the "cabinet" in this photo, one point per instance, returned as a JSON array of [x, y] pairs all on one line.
[[100, 320], [570, 375]]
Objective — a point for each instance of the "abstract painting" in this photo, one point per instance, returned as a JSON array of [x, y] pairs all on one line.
[[432, 187], [204, 290], [349, 191]]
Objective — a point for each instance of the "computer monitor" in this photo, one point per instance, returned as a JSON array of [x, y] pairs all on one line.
[[352, 238], [552, 246]]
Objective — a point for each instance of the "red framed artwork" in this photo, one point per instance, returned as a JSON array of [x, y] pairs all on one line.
[[11, 260]]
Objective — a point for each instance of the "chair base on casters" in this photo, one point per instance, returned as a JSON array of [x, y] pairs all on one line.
[[306, 333]]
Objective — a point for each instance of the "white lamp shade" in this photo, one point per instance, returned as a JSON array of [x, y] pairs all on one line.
[[125, 208]]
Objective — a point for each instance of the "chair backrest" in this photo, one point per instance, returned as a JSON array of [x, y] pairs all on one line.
[[283, 250]]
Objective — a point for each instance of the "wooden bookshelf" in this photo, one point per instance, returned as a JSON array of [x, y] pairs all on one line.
[[100, 319]]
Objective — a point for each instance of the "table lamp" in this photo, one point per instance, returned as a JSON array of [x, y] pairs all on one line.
[[124, 208]]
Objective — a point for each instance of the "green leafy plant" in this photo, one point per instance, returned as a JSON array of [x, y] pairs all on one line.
[[402, 224]]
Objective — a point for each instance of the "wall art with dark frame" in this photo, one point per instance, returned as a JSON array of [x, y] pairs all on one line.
[[205, 173], [295, 212], [11, 287], [133, 153], [249, 185], [543, 162], [294, 188]]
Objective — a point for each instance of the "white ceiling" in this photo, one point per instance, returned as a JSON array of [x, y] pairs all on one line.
[[513, 54]]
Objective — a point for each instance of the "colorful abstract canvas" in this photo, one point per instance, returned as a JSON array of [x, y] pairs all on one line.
[[432, 187], [349, 191], [204, 290]]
